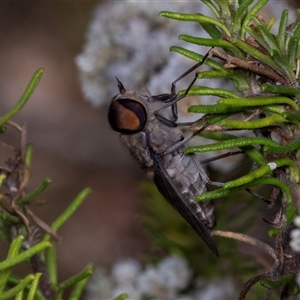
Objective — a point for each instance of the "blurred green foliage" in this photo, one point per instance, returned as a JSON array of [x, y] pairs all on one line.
[[19, 226]]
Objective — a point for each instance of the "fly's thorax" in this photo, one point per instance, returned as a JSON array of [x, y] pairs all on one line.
[[139, 149], [160, 136]]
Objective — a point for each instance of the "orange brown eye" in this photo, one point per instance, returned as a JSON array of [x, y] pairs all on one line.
[[127, 116]]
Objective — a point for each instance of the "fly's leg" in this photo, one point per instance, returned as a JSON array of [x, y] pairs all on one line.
[[166, 121], [171, 99], [231, 154], [205, 161], [183, 141], [258, 196], [204, 176]]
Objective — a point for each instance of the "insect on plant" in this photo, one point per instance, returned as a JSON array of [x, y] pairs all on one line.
[[147, 126]]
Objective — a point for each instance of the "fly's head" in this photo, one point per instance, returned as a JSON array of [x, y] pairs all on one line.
[[127, 112]]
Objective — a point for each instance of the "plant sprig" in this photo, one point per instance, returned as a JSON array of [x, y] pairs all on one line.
[[264, 68], [16, 216]]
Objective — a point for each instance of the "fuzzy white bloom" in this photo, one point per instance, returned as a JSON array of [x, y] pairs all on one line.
[[166, 279], [295, 240], [131, 290], [297, 221], [100, 285], [149, 282], [163, 281], [295, 235], [295, 244], [128, 40], [175, 272], [126, 271], [216, 290]]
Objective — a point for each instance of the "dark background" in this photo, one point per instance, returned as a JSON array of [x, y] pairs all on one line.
[[73, 144]]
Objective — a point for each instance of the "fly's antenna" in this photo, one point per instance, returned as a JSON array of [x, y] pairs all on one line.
[[121, 86]]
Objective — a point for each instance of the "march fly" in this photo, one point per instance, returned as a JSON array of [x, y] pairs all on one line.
[[158, 145]]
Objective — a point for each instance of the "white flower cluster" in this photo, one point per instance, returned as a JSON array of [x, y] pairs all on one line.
[[295, 235], [128, 40], [163, 281], [295, 244]]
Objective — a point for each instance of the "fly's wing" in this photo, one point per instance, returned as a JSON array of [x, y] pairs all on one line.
[[167, 188]]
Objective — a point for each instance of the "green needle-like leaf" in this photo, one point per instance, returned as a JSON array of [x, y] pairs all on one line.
[[213, 43], [213, 31], [203, 90], [224, 9], [52, 265], [195, 18], [80, 279], [34, 286], [24, 255], [269, 39], [12, 253], [123, 296], [212, 7], [283, 64], [264, 122], [292, 116], [238, 142], [240, 15], [214, 109], [257, 54], [260, 172], [292, 50], [296, 28], [25, 97], [20, 287], [28, 155], [253, 11], [290, 147], [267, 283], [79, 288], [197, 57], [69, 211], [281, 90], [282, 30], [31, 196], [239, 81], [262, 101], [270, 24], [256, 182]]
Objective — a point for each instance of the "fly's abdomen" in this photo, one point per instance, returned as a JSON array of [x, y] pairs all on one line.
[[205, 211], [185, 174]]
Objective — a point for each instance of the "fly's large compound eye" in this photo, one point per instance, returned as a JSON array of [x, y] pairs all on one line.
[[127, 116]]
